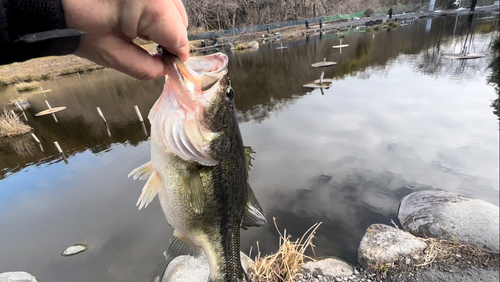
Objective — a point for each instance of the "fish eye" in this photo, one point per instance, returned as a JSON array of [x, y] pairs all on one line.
[[229, 93]]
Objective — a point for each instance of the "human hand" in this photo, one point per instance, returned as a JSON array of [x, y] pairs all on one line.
[[111, 25]]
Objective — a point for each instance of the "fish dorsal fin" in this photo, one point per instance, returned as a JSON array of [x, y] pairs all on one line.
[[143, 172], [254, 216], [193, 190], [248, 156], [149, 191]]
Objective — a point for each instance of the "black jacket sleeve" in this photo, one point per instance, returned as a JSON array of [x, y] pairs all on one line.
[[34, 28]]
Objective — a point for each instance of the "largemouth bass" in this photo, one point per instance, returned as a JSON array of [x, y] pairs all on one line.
[[199, 166]]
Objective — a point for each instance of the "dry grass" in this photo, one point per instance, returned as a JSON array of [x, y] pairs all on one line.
[[11, 125], [286, 262], [445, 254], [27, 86], [446, 251], [442, 253], [22, 145], [44, 68], [394, 24]]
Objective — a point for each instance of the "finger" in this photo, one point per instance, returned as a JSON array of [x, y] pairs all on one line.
[[129, 18], [182, 11], [164, 25], [128, 58]]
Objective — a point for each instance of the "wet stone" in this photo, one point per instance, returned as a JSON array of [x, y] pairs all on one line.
[[384, 244], [188, 268], [451, 216], [73, 250], [17, 276], [328, 267]]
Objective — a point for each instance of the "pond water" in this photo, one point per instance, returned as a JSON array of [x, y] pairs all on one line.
[[399, 118]]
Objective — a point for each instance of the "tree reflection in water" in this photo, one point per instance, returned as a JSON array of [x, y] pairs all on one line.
[[494, 77]]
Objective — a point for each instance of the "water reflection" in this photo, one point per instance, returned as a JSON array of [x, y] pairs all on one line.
[[24, 145], [399, 117], [494, 77], [345, 204]]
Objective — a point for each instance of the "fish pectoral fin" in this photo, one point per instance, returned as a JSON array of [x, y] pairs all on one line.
[[248, 156], [142, 172], [194, 192], [254, 215], [149, 191]]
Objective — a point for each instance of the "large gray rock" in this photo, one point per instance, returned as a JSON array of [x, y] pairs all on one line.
[[451, 216], [17, 276], [384, 244], [329, 266], [191, 269]]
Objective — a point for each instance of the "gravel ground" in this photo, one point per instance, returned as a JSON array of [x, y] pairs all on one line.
[[430, 274], [466, 275]]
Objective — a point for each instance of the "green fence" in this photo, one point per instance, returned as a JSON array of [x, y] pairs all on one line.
[[333, 18]]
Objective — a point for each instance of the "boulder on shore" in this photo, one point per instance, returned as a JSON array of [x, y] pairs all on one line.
[[17, 276], [450, 216], [330, 266], [384, 244], [187, 268]]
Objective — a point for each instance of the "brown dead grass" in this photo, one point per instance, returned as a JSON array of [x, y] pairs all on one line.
[[11, 125], [27, 86], [286, 262], [22, 145], [446, 251], [444, 254], [44, 68]]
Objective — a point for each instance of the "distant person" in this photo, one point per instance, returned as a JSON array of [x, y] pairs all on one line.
[[203, 44], [470, 20], [390, 13], [473, 5], [320, 23], [268, 28], [307, 24]]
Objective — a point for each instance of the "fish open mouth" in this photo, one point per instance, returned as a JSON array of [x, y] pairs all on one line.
[[209, 69], [178, 115]]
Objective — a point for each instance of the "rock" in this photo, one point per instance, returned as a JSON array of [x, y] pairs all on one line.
[[17, 276], [329, 267], [73, 250], [188, 268], [383, 244], [450, 216]]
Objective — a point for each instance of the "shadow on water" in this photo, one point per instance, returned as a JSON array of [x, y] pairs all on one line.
[[393, 122]]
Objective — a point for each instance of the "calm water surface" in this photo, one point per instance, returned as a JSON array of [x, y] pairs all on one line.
[[400, 117]]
